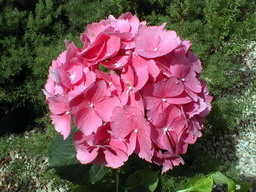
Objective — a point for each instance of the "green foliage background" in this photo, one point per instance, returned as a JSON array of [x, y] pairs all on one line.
[[32, 34]]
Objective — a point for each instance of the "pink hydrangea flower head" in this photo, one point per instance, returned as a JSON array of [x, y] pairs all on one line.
[[130, 88]]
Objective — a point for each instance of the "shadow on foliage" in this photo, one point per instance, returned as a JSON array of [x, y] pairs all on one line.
[[14, 120]]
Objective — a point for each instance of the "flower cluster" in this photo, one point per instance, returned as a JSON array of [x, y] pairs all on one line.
[[131, 88]]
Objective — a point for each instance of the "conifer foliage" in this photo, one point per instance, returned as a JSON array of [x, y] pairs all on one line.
[[32, 33]]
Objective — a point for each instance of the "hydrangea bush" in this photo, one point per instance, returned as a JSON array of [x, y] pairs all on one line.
[[131, 88]]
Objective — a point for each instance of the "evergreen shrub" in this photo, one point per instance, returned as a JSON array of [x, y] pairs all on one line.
[[32, 33]]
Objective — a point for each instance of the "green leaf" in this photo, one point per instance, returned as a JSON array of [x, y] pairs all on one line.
[[245, 186], [143, 180], [62, 157], [220, 179], [199, 184]]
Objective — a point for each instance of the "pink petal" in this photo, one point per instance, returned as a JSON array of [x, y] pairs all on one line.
[[155, 106], [164, 69], [136, 125], [123, 26], [141, 72], [117, 62], [123, 96], [118, 144], [115, 157], [167, 116], [175, 161], [90, 78], [103, 75], [97, 92], [112, 47], [47, 94], [179, 66], [133, 20], [191, 94], [179, 100], [181, 147], [77, 90], [102, 136], [105, 107], [116, 81], [181, 50], [127, 15], [87, 120], [187, 44], [193, 108], [148, 90], [178, 123], [58, 104], [153, 70], [85, 153], [49, 87], [188, 138], [162, 139], [168, 88], [123, 120], [93, 30], [127, 75], [87, 156], [166, 159], [76, 74], [128, 44], [97, 48], [192, 82], [53, 85], [194, 62], [144, 145], [64, 78], [131, 143], [136, 101], [71, 53], [151, 43], [62, 124], [61, 59]]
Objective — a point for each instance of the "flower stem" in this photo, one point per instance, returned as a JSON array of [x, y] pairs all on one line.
[[117, 180]]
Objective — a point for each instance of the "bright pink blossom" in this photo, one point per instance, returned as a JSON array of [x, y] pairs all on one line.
[[167, 129], [160, 95], [130, 88], [100, 148], [155, 42], [129, 122], [166, 159], [93, 106]]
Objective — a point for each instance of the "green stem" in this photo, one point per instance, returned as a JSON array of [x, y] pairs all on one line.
[[117, 180]]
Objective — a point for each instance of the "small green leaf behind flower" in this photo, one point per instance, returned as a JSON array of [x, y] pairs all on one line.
[[62, 157], [243, 186], [210, 182], [199, 184], [220, 179], [143, 180]]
